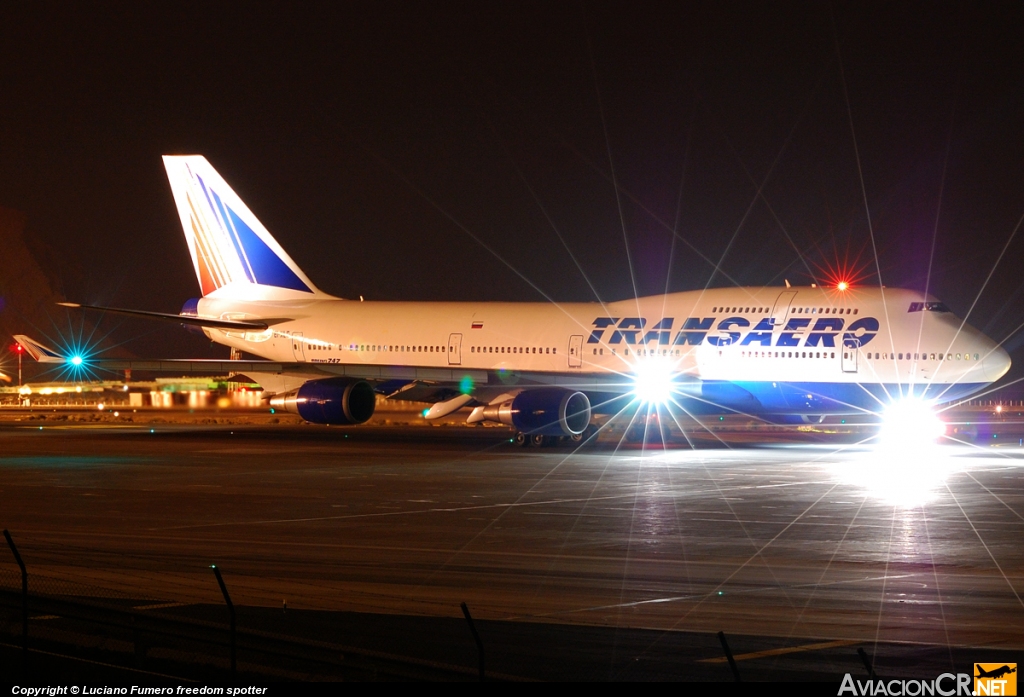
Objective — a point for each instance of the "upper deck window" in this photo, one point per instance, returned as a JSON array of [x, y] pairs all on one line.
[[928, 307]]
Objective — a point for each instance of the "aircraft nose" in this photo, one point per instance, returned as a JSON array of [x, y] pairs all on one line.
[[996, 364]]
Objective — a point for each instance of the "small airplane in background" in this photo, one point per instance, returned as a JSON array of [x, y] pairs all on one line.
[[545, 368]]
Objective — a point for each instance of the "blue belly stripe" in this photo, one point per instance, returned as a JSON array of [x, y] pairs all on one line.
[[820, 397]]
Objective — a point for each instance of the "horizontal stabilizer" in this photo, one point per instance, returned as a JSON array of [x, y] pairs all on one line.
[[240, 325]]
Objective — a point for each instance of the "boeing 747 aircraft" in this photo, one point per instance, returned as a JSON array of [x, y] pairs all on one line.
[[545, 368]]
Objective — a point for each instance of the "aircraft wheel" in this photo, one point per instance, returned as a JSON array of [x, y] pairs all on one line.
[[537, 440], [520, 439], [577, 437]]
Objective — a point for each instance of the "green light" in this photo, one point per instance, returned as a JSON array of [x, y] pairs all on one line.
[[466, 385], [272, 410], [843, 421], [721, 418], [76, 360], [424, 413]]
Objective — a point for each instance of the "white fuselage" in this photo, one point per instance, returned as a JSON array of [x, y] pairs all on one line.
[[801, 336]]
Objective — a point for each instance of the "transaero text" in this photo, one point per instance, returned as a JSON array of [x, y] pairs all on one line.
[[695, 331]]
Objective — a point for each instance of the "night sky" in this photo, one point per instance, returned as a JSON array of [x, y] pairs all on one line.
[[435, 151]]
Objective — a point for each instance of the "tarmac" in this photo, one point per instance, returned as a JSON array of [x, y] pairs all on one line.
[[593, 561]]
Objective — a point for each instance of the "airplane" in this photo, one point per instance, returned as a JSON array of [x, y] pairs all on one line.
[[995, 673], [780, 353]]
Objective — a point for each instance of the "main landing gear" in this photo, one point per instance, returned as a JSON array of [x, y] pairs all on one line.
[[538, 441], [535, 439]]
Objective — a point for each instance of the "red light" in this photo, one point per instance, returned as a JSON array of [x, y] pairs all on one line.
[[843, 285]]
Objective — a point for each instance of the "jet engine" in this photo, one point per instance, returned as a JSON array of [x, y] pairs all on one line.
[[336, 401], [546, 411]]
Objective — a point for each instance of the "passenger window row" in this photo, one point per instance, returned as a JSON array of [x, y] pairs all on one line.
[[786, 354], [825, 311], [512, 349], [641, 352], [922, 356], [398, 349], [796, 310]]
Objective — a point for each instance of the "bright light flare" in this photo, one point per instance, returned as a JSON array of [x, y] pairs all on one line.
[[910, 424], [907, 467], [76, 360], [842, 285], [652, 379]]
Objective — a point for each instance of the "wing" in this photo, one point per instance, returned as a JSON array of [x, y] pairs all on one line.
[[408, 383]]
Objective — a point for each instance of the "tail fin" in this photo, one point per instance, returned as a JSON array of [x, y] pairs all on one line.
[[38, 352], [230, 248]]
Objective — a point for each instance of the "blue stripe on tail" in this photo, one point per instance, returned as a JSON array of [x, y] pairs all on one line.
[[266, 265]]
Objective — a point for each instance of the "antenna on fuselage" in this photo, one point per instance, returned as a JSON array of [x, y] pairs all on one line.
[[787, 284]]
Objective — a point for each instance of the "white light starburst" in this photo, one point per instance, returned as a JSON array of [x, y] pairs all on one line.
[[653, 378]]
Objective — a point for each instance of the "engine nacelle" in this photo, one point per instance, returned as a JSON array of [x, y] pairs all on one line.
[[547, 411], [191, 309], [336, 401]]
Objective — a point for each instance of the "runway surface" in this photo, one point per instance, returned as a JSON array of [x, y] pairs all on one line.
[[800, 543]]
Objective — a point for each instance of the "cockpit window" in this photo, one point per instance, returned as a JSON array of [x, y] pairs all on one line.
[[928, 307]]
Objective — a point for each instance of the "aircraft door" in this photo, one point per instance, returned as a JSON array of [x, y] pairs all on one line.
[[850, 354], [576, 351], [455, 349], [780, 313], [298, 350]]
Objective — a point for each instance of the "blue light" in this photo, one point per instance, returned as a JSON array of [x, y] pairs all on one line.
[[76, 360]]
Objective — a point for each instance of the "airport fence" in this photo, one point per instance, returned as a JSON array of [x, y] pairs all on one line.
[[195, 634]]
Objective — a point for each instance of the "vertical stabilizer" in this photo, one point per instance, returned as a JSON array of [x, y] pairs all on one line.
[[233, 254]]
